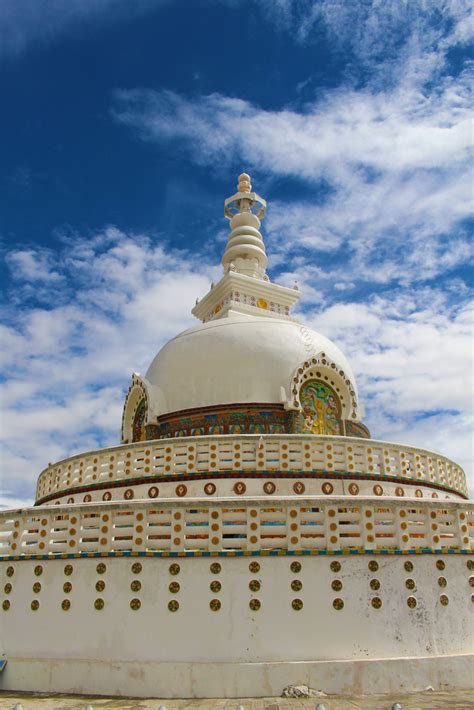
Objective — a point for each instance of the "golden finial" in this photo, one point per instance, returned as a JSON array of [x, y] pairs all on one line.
[[244, 184]]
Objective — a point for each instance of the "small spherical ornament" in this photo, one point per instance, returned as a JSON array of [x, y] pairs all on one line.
[[35, 604], [408, 566], [376, 602], [136, 585], [215, 568], [214, 604], [335, 566], [471, 581], [99, 604], [101, 568], [65, 604], [297, 585], [336, 585], [38, 570], [68, 570], [153, 492], [299, 488], [444, 600], [7, 588], [10, 571], [442, 581], [297, 604], [254, 567], [410, 583], [36, 587], [373, 565], [100, 586], [67, 587], [215, 586], [374, 584], [338, 604], [173, 605], [255, 604], [135, 604], [295, 567], [136, 568], [469, 565], [174, 587], [6, 605], [174, 569], [254, 585], [411, 602], [378, 490], [440, 564]]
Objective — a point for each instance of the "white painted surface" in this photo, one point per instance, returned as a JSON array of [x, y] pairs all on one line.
[[236, 359], [236, 633], [234, 680]]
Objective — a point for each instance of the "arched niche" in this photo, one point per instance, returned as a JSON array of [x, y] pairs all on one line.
[[135, 412]]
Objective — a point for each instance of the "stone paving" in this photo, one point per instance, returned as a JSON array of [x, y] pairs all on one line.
[[429, 700]]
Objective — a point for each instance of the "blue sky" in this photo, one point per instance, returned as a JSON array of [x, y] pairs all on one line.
[[124, 126]]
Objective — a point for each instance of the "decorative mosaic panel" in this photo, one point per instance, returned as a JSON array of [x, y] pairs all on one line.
[[321, 408], [231, 419], [138, 428], [356, 429]]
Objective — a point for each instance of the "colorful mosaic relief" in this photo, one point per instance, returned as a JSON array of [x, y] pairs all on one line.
[[232, 419], [321, 408], [357, 429], [138, 428]]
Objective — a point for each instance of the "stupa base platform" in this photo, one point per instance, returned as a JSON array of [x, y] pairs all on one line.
[[236, 680]]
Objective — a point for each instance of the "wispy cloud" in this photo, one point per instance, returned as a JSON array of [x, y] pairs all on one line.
[[66, 360], [26, 23]]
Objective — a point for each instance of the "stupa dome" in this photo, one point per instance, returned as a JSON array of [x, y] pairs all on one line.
[[250, 366], [238, 359]]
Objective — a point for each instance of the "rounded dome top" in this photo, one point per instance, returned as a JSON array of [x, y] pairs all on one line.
[[239, 359]]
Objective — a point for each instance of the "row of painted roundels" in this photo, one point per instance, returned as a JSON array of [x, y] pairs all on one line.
[[240, 488]]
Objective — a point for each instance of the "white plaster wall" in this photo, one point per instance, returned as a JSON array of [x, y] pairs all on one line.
[[236, 633], [254, 486], [236, 359]]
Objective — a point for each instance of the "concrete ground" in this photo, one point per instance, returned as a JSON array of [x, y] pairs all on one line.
[[428, 700]]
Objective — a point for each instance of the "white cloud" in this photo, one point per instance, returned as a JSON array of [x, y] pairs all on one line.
[[67, 361], [67, 365], [24, 23]]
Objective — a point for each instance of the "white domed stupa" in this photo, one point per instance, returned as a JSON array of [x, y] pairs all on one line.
[[247, 534]]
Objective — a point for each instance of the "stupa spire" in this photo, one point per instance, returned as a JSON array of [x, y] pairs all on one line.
[[245, 250]]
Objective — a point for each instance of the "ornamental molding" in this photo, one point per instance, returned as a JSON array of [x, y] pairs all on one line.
[[321, 367]]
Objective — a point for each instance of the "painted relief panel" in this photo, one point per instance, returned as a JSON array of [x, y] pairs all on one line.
[[321, 408], [138, 428]]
